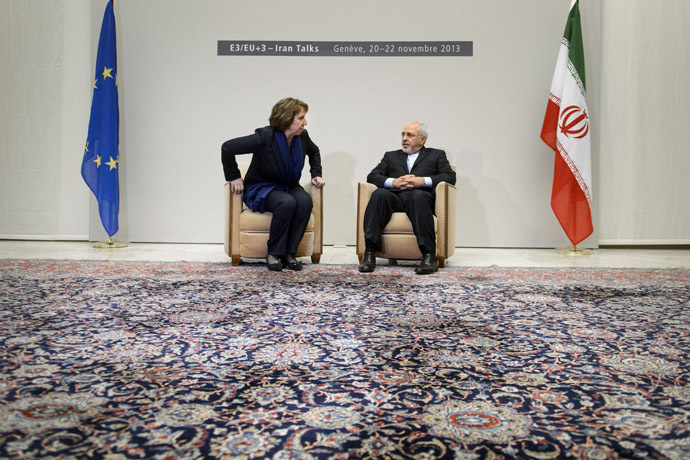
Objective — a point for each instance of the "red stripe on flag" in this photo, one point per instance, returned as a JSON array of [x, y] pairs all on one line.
[[548, 129], [569, 202]]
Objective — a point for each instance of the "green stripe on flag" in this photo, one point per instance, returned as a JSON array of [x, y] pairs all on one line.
[[576, 55]]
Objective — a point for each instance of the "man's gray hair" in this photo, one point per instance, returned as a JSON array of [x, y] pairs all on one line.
[[422, 129]]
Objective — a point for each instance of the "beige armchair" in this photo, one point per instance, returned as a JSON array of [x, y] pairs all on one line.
[[399, 241], [246, 231]]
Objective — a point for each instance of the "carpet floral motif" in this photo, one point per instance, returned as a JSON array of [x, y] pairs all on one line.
[[135, 360]]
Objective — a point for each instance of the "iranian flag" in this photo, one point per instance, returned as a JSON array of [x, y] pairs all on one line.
[[566, 131]]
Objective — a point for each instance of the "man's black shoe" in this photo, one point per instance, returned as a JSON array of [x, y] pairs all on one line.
[[428, 266], [368, 263]]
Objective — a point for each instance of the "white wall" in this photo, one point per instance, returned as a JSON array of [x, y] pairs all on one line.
[[183, 101], [645, 148], [44, 67], [180, 101]]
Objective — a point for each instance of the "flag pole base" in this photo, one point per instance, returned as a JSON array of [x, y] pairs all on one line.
[[110, 243], [574, 251]]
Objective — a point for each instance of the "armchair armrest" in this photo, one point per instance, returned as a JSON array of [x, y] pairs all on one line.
[[364, 191], [317, 209], [233, 209], [446, 197]]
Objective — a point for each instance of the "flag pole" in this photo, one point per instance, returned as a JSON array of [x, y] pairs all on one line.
[[101, 159], [566, 130], [110, 242]]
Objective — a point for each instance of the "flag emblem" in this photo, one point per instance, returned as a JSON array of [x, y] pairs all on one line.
[[574, 122]]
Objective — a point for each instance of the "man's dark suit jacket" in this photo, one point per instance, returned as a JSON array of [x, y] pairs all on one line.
[[430, 163], [267, 163]]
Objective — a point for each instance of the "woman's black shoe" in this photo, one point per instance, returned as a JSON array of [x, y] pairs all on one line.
[[273, 263], [290, 262]]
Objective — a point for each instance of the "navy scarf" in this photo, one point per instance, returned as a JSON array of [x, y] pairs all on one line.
[[293, 158], [293, 161]]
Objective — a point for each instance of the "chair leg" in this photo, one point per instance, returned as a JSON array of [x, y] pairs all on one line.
[[441, 262], [360, 256], [315, 258], [235, 260]]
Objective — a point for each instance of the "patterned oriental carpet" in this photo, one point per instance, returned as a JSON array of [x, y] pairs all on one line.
[[194, 361]]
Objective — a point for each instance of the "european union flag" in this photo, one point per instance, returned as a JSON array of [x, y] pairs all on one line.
[[99, 167]]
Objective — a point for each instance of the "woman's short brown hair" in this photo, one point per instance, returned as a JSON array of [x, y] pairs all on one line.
[[284, 112]]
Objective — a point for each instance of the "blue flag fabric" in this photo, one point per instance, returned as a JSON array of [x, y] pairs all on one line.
[[101, 161]]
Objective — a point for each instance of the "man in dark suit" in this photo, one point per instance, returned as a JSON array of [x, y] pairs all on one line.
[[406, 180]]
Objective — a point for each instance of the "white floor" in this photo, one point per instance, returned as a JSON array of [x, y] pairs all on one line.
[[620, 258]]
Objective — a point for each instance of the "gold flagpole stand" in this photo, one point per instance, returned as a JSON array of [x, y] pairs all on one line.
[[574, 251], [110, 243]]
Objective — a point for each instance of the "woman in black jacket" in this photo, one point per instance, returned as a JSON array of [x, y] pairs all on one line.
[[272, 180]]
